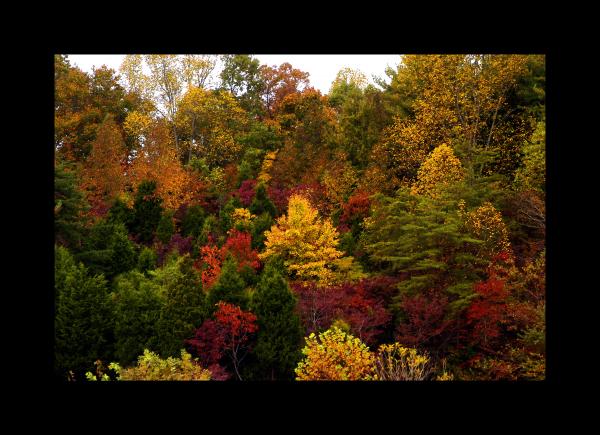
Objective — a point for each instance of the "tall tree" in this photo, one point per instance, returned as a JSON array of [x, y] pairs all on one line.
[[83, 317], [279, 331]]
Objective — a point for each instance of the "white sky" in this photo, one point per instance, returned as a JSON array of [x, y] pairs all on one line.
[[321, 67]]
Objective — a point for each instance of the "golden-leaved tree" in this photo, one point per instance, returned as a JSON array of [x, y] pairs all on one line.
[[335, 356], [307, 244], [441, 168]]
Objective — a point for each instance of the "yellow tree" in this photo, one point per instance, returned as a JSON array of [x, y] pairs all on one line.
[[335, 356], [307, 245], [485, 223], [209, 121], [440, 169]]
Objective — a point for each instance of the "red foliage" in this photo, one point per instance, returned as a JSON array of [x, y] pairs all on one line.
[[210, 265], [359, 304], [356, 209], [424, 322], [487, 311], [246, 192], [228, 334], [279, 195], [239, 245]]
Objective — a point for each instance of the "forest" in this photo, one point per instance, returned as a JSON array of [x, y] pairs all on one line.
[[236, 224]]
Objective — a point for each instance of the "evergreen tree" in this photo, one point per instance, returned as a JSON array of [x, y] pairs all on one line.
[[183, 308], [260, 224], [229, 287], [166, 227], [108, 250], [193, 221], [261, 202], [69, 203], [147, 260], [280, 333], [120, 213], [83, 319], [147, 210], [137, 306]]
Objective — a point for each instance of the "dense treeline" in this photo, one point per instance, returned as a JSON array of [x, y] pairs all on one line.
[[243, 226]]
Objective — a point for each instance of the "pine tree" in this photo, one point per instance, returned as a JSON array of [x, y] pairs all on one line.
[[279, 336], [166, 227], [183, 309], [147, 211], [137, 306], [83, 319], [146, 260], [261, 202], [69, 203], [229, 287]]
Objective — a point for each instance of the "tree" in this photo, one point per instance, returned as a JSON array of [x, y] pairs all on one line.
[[228, 335], [532, 174], [147, 210], [440, 169], [229, 287], [166, 227], [279, 82], [103, 176], [423, 240], [146, 260], [261, 202], [279, 332], [69, 206], [210, 121], [306, 244], [184, 304], [335, 356], [241, 76], [137, 302], [397, 363], [485, 223], [83, 317], [107, 250]]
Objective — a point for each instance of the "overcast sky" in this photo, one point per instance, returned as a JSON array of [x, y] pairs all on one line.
[[321, 67]]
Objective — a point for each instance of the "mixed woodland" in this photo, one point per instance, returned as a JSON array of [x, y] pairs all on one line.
[[221, 219]]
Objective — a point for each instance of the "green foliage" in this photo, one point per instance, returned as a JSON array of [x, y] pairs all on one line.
[[241, 76], [83, 316], [193, 221], [532, 174], [183, 309], [423, 238], [137, 306], [261, 202], [166, 227], [107, 250], [225, 215], [147, 211], [260, 224], [147, 260], [280, 333], [120, 213], [69, 204], [229, 287]]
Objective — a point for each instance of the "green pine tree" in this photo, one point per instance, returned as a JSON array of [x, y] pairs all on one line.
[[230, 287], [279, 338], [261, 202], [137, 305], [83, 317], [147, 210], [166, 227], [183, 310]]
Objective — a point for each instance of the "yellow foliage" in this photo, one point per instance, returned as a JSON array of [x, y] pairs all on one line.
[[395, 362], [305, 243], [441, 168], [335, 356], [263, 176], [486, 224], [242, 218]]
